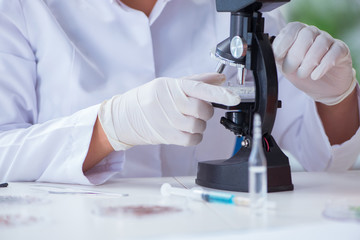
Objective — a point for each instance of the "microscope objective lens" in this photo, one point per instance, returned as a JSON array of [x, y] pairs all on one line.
[[241, 75]]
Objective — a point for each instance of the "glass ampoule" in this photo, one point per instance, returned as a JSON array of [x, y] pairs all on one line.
[[257, 170]]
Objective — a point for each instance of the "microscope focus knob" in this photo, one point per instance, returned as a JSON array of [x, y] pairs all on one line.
[[238, 47]]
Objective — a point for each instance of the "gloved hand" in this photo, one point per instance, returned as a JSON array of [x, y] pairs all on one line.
[[314, 62], [164, 111]]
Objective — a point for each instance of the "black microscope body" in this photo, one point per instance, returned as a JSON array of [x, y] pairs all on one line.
[[248, 47]]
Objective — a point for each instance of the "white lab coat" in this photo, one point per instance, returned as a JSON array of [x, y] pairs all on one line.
[[60, 58]]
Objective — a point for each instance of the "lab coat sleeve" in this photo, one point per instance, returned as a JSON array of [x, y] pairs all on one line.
[[52, 151], [337, 157], [298, 129]]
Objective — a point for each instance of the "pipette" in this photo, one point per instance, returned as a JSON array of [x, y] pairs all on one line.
[[208, 196]]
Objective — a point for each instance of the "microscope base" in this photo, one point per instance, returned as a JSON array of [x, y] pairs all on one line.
[[232, 174]]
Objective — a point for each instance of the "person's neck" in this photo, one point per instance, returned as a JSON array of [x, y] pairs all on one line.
[[145, 6]]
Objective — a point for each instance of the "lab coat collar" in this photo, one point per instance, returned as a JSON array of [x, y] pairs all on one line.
[[157, 10], [155, 13]]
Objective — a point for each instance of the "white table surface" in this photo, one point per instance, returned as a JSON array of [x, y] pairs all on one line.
[[28, 211]]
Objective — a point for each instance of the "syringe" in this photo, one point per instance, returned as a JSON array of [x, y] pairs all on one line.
[[208, 196]]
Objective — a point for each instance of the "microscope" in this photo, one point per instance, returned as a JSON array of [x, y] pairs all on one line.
[[248, 48]]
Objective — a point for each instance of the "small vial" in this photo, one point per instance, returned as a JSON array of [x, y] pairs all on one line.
[[257, 171]]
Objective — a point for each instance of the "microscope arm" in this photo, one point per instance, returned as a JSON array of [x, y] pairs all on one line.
[[265, 74]]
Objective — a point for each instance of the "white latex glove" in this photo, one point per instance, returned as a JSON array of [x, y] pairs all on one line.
[[164, 111], [314, 62]]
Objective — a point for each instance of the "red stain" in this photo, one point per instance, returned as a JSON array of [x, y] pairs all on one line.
[[140, 211], [11, 220]]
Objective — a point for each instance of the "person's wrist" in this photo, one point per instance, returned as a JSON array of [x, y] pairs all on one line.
[[98, 149]]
